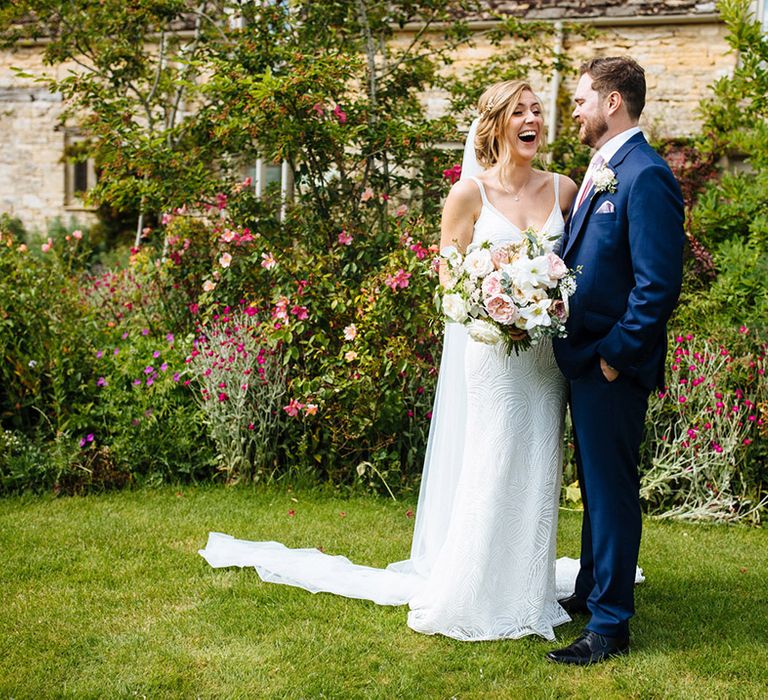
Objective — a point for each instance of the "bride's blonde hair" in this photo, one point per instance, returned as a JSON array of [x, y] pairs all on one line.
[[496, 106]]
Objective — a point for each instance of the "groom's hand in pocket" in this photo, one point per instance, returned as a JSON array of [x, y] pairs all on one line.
[[609, 372]]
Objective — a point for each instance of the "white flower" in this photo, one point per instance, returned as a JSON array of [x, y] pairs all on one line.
[[350, 332], [209, 286], [455, 308], [451, 255], [527, 273], [604, 179], [536, 314], [484, 332], [32, 363], [567, 286], [225, 260], [479, 263]]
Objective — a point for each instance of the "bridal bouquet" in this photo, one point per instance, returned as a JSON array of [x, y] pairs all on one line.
[[497, 290]]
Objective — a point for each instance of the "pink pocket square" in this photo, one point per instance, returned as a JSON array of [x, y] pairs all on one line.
[[606, 208]]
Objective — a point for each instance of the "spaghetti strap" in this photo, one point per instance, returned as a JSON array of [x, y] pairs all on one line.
[[481, 188], [556, 183]]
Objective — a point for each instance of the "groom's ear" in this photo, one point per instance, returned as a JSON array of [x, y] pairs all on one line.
[[614, 102]]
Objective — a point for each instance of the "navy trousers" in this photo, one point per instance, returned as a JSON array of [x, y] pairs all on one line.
[[608, 419]]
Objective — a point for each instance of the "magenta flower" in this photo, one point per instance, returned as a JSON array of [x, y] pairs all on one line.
[[452, 174], [149, 369], [145, 331], [99, 354], [176, 377], [164, 367], [101, 382], [124, 336], [223, 396], [156, 354], [136, 382], [345, 238], [169, 337], [340, 115]]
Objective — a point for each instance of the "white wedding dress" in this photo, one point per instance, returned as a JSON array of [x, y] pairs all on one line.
[[482, 562]]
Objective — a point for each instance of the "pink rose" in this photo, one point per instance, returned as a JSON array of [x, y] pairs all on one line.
[[558, 310], [499, 257], [492, 285], [557, 268], [502, 310]]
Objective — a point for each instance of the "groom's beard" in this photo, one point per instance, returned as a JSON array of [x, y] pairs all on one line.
[[592, 130]]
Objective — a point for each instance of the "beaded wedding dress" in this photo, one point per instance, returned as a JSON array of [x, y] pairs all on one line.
[[482, 562]]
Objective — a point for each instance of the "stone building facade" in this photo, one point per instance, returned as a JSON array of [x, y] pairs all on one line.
[[680, 43]]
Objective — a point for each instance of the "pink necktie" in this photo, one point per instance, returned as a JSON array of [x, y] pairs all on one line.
[[596, 163]]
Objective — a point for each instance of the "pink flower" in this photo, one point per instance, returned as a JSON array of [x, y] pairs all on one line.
[[367, 194], [402, 210], [557, 268], [318, 109], [743, 330], [559, 310], [300, 312], [350, 332], [452, 174], [350, 355], [340, 115], [682, 399], [247, 182], [499, 257], [46, 247], [492, 284], [225, 260], [344, 238], [77, 234], [268, 261], [747, 441], [101, 382], [228, 236], [717, 448], [223, 396], [397, 281], [293, 408], [502, 309], [281, 308], [167, 218], [209, 286], [310, 409]]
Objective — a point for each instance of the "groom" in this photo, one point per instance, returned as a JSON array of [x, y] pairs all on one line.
[[625, 230]]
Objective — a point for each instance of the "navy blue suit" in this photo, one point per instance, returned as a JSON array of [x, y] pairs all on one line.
[[631, 259]]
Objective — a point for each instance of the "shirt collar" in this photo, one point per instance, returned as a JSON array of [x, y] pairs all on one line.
[[609, 149]]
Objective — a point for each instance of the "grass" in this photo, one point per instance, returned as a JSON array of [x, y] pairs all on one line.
[[106, 597]]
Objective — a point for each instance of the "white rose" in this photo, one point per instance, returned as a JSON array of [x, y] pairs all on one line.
[[479, 262], [484, 332], [604, 179], [455, 308]]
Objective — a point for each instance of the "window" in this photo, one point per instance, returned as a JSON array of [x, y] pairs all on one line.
[[265, 174], [80, 171]]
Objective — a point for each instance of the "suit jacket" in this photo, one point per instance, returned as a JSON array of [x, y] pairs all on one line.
[[631, 258]]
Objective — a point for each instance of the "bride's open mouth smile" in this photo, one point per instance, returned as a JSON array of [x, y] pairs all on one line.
[[528, 136]]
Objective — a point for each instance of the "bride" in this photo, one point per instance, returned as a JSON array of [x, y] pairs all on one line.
[[482, 562]]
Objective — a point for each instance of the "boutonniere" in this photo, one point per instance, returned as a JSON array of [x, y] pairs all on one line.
[[604, 179]]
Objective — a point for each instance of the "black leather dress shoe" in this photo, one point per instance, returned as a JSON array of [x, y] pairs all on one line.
[[573, 604], [590, 648]]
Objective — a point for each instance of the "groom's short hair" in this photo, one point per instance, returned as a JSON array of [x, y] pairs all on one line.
[[621, 74]]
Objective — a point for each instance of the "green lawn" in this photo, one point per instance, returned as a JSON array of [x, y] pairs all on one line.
[[105, 596]]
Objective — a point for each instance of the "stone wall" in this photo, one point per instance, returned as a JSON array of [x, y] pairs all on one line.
[[681, 60], [32, 169]]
